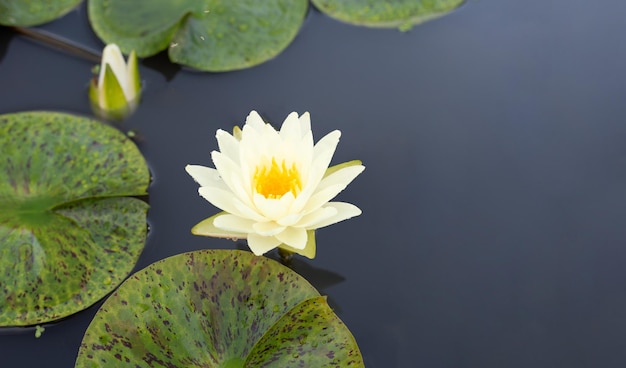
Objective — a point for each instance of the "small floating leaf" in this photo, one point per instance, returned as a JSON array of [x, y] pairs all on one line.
[[39, 331], [68, 234], [211, 35], [402, 14], [217, 308], [26, 13]]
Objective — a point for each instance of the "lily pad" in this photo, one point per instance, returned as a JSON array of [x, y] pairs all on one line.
[[68, 232], [402, 14], [209, 35], [217, 308], [26, 13]]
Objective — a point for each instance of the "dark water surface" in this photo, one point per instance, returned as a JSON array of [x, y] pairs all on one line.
[[494, 199]]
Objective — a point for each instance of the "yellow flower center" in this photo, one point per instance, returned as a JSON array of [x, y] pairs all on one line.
[[274, 181]]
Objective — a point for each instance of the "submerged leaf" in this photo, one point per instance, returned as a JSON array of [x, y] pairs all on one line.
[[402, 14], [66, 240], [216, 308], [210, 35]]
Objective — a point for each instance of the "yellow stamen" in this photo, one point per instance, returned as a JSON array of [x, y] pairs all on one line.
[[275, 181]]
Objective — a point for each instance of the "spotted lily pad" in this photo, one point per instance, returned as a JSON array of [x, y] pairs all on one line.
[[402, 14], [209, 35], [27, 13], [217, 308], [68, 232]]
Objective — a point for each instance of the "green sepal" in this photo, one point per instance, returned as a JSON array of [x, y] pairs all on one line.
[[114, 98], [207, 228], [94, 93], [309, 249], [237, 133], [338, 167]]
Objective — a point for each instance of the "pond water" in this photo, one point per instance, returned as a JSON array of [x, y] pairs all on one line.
[[494, 195]]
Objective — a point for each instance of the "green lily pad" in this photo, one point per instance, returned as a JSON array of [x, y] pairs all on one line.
[[402, 14], [209, 35], [68, 233], [217, 308], [26, 13]]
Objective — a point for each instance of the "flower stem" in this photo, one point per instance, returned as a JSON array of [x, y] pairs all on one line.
[[285, 256], [59, 42]]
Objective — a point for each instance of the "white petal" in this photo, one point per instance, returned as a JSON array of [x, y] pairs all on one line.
[[228, 145], [226, 201], [272, 209], [233, 223], [204, 175], [290, 219], [331, 185], [315, 175], [271, 142], [261, 244], [269, 228], [252, 132], [344, 212], [250, 212], [334, 183], [259, 137], [304, 156], [112, 55], [294, 237], [317, 216], [244, 181], [341, 176], [305, 123], [322, 154], [259, 149], [320, 198], [325, 148], [290, 130], [254, 120], [231, 175], [132, 78]]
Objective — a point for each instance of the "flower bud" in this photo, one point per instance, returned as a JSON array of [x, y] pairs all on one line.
[[115, 93]]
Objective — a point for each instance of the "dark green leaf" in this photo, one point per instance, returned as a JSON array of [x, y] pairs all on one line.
[[26, 13], [66, 240], [215, 308], [210, 35], [402, 14]]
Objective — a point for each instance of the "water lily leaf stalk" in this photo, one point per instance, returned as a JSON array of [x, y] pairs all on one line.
[[116, 92]]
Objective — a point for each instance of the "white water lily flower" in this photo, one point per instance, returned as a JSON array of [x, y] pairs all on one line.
[[116, 92], [274, 186]]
